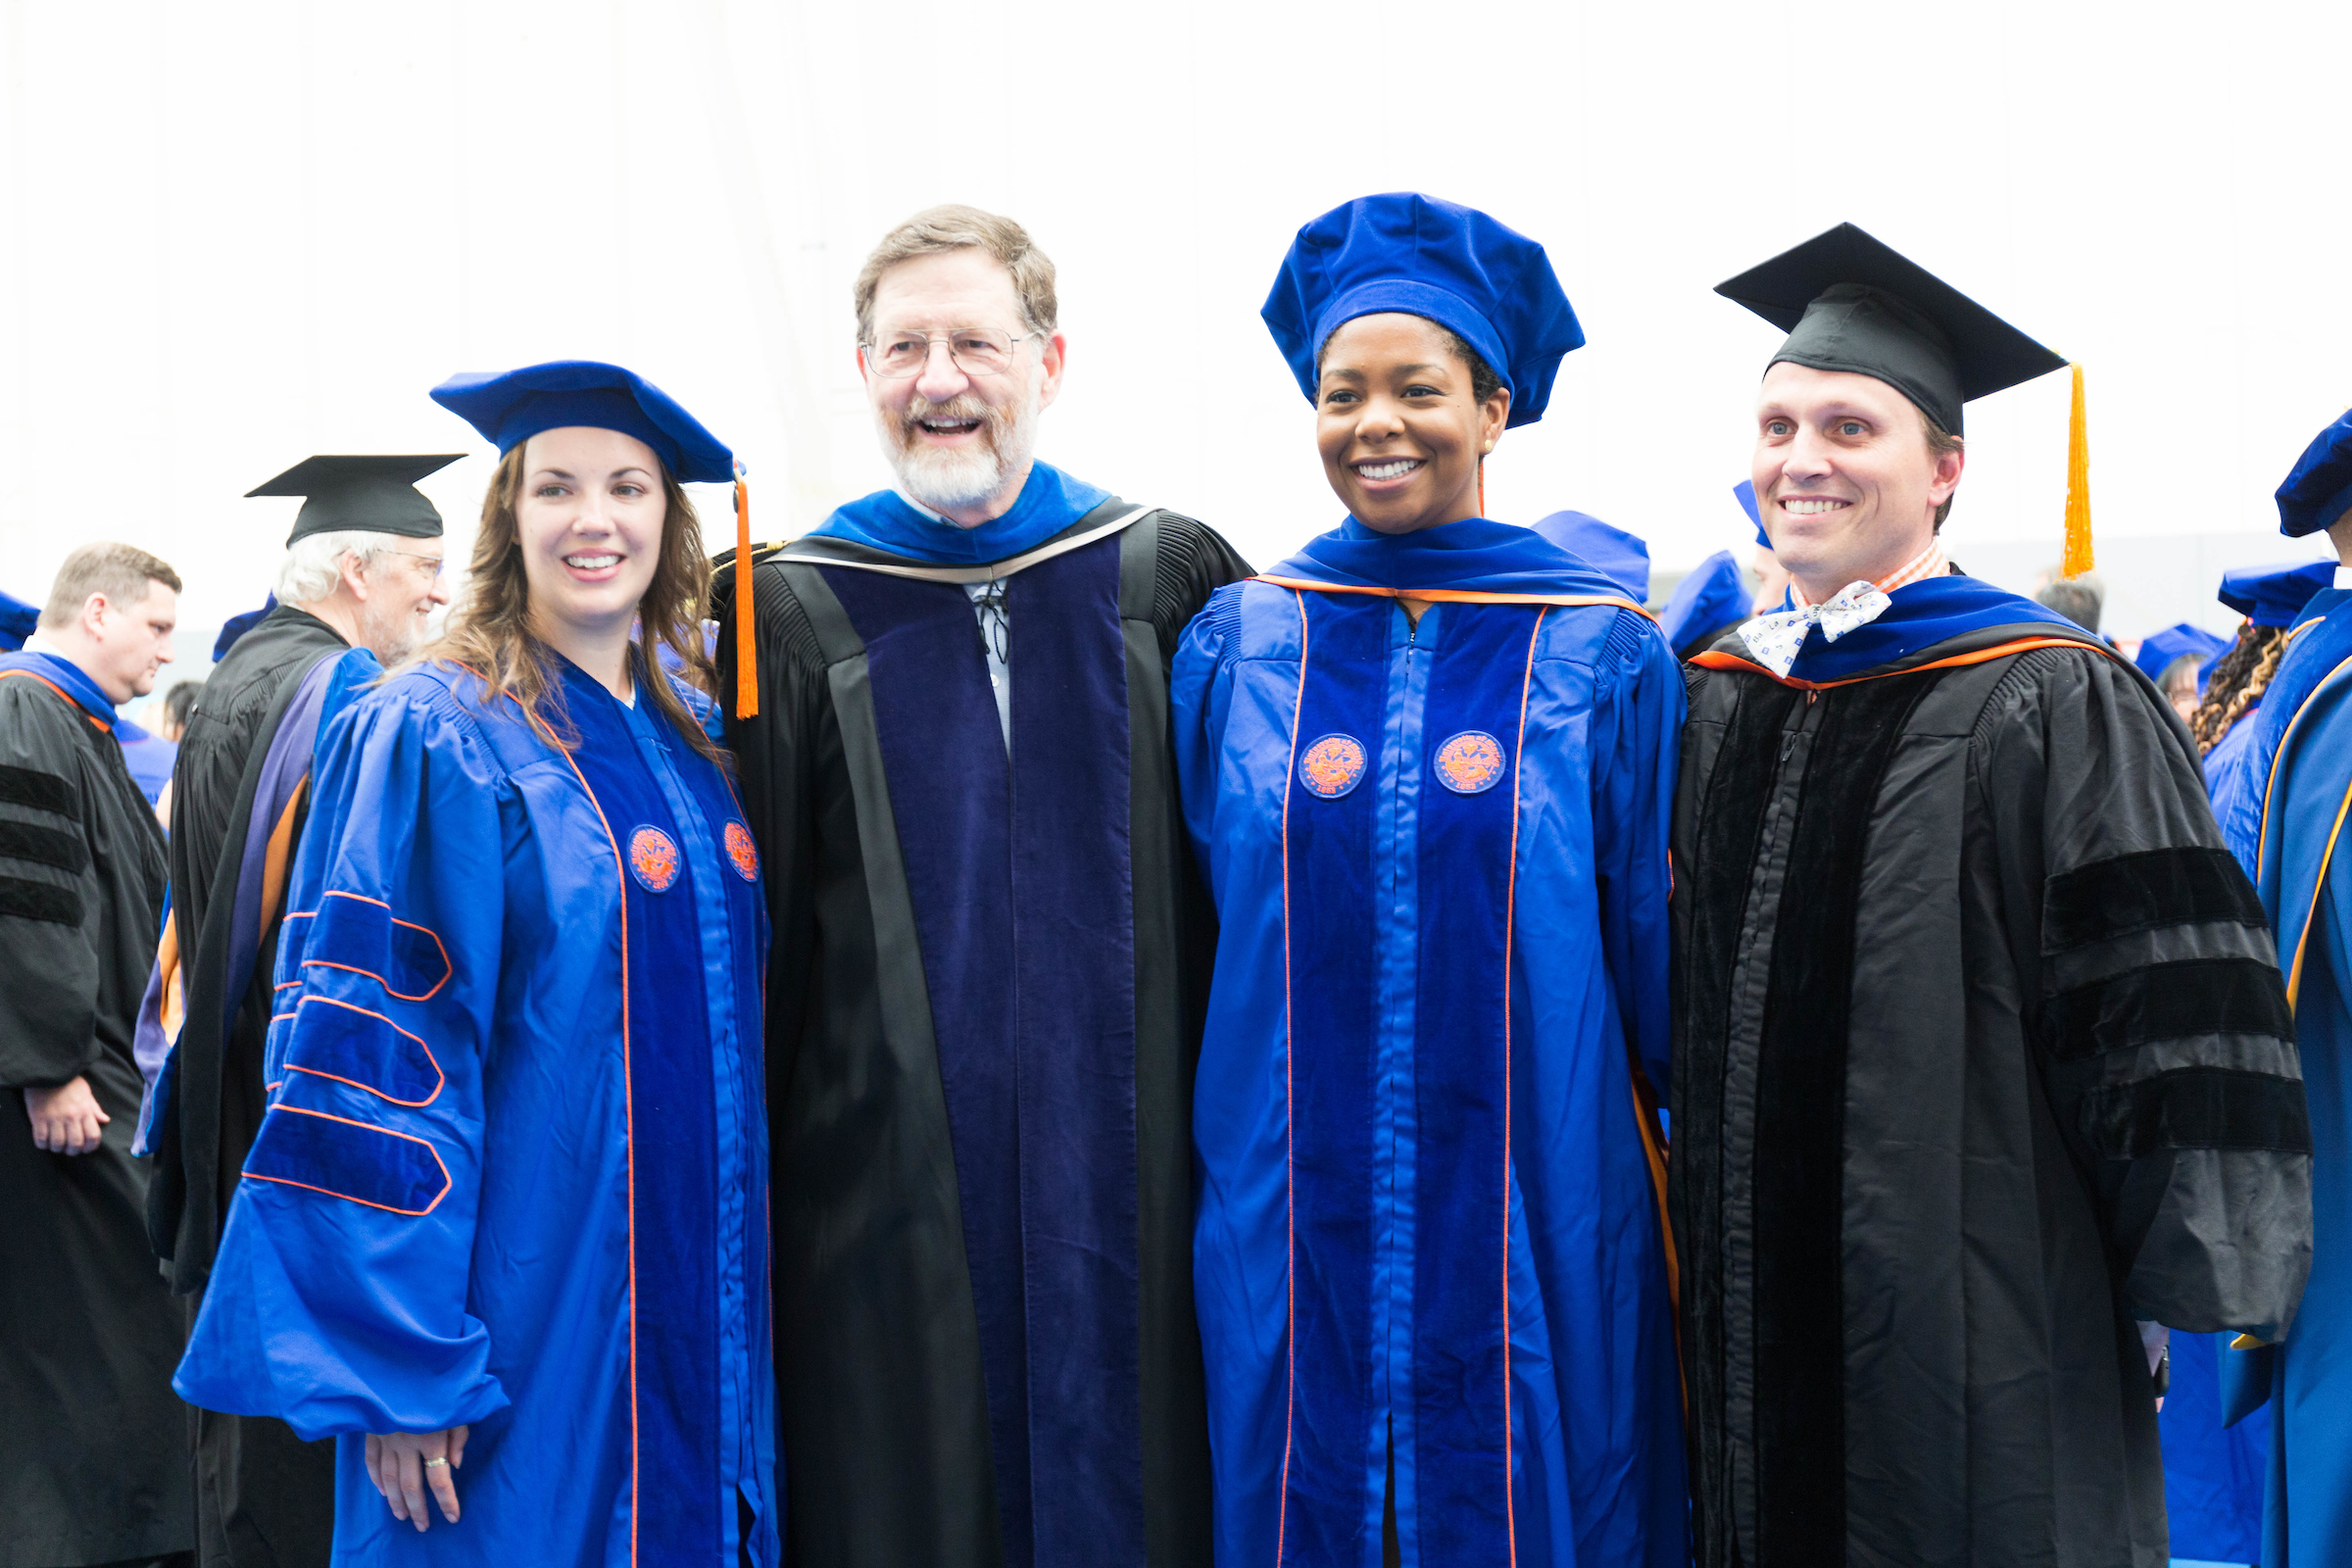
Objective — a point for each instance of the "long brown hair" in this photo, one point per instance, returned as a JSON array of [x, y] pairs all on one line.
[[490, 630], [2240, 676]]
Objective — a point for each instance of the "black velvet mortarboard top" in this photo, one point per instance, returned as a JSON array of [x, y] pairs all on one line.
[[361, 494], [1850, 303]]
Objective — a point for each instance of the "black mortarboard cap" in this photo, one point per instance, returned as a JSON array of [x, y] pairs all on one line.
[[1850, 303], [364, 494]]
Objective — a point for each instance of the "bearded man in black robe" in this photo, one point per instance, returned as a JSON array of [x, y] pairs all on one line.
[[1984, 1071], [362, 570], [983, 1006], [93, 1451]]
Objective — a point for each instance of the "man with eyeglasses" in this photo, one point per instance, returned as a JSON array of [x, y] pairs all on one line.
[[363, 572], [990, 948]]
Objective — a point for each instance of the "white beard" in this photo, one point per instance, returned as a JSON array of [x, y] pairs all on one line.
[[956, 480]]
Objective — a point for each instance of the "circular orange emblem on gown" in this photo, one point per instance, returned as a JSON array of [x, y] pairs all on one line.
[[1471, 763], [653, 859], [1332, 767], [742, 852]]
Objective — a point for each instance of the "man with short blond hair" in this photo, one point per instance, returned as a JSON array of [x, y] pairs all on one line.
[[990, 948], [92, 1441], [1983, 1071]]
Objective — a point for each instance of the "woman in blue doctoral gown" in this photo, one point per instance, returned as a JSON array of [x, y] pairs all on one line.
[[503, 1232], [1428, 766]]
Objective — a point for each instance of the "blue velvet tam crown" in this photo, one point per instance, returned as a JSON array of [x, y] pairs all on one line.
[[511, 407], [2158, 650], [2272, 596], [1745, 492], [2320, 488], [1417, 255], [1712, 596]]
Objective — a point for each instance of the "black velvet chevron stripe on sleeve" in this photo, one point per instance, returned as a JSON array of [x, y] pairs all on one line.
[[43, 846], [2197, 1108], [2166, 1002], [2185, 885], [40, 900], [43, 792]]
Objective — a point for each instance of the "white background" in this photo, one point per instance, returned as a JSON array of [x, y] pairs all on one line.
[[238, 233]]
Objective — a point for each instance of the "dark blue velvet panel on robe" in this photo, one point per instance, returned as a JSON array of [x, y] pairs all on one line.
[[673, 1121], [1019, 876], [1332, 900]]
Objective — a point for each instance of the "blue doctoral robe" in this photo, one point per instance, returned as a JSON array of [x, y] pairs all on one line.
[[1430, 1224], [2213, 1462], [514, 1171], [2296, 777]]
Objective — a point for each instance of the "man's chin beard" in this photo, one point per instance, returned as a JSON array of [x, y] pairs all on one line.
[[951, 481]]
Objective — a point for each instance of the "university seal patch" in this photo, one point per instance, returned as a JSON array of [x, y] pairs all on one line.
[[742, 852], [653, 859], [1471, 763], [1332, 767]]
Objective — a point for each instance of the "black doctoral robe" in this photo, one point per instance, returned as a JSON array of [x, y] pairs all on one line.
[[264, 1497], [93, 1454], [983, 1012], [1981, 1053]]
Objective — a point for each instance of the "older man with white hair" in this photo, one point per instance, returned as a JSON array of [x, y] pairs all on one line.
[[989, 944], [362, 571]]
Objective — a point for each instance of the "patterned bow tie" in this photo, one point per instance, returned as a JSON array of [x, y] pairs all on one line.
[[1774, 638]]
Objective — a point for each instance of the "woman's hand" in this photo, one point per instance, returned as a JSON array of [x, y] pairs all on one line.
[[403, 1464]]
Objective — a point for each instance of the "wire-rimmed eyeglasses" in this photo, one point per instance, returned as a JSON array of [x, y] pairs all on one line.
[[976, 350]]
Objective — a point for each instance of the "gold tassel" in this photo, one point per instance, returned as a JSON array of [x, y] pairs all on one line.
[[2078, 559], [747, 643]]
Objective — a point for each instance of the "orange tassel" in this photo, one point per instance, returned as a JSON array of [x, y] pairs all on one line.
[[746, 659], [2078, 559]]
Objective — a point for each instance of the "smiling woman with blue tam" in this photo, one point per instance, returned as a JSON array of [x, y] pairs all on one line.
[[1427, 764], [1489, 285], [503, 1231]]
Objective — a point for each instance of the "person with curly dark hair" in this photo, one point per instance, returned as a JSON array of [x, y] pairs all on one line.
[[2270, 598]]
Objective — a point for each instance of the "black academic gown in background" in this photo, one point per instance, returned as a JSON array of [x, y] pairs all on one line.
[[983, 1014], [265, 1498], [1982, 1055], [93, 1451]]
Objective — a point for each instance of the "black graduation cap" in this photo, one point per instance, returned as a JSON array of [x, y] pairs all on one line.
[[366, 494], [1852, 303]]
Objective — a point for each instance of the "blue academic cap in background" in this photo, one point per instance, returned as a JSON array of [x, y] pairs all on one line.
[[1420, 255], [2318, 489], [2272, 596], [1712, 597], [2158, 650], [238, 626], [1746, 492], [16, 620], [511, 407], [1615, 554]]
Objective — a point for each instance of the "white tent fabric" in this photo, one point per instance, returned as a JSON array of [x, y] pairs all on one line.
[[241, 232]]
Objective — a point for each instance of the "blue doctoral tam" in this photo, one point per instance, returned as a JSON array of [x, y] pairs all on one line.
[[16, 620], [1712, 598], [2320, 486], [1745, 492], [1492, 285], [511, 407], [238, 626], [2272, 596], [2159, 648], [1615, 554]]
